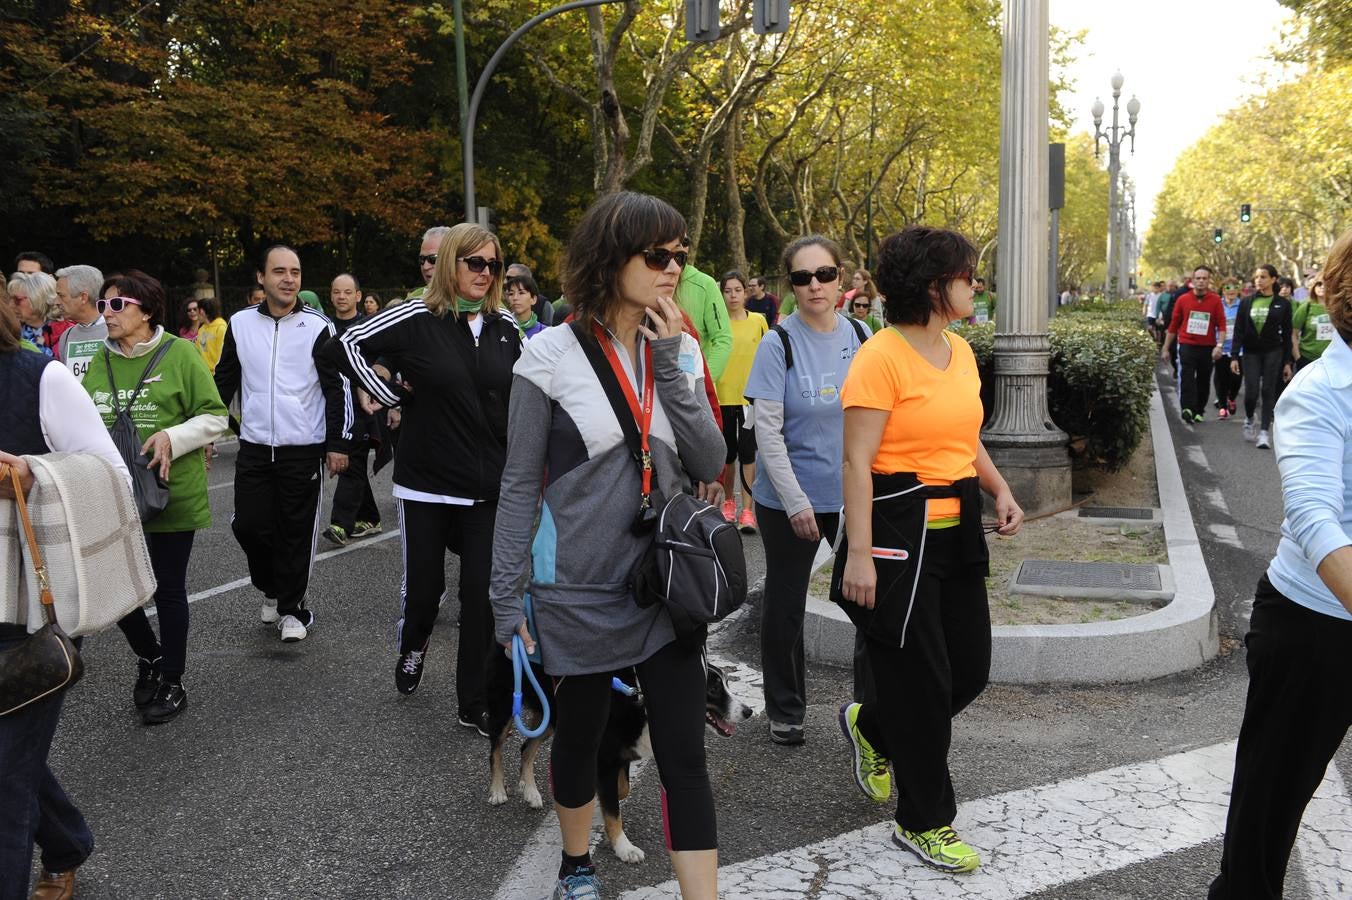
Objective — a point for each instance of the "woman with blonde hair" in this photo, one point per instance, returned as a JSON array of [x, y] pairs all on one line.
[[450, 354], [33, 294]]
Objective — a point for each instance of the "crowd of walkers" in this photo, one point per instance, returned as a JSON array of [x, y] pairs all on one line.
[[850, 417]]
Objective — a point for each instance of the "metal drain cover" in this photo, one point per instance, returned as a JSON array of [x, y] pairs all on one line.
[[1093, 580], [1117, 512]]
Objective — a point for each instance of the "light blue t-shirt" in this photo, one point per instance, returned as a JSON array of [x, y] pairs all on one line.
[[1231, 311], [813, 420]]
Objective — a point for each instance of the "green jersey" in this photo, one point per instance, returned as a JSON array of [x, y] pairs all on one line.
[[1312, 328], [983, 308], [699, 296], [179, 389]]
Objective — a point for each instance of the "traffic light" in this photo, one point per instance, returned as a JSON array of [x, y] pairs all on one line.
[[1217, 236], [1245, 212], [770, 16], [701, 20]]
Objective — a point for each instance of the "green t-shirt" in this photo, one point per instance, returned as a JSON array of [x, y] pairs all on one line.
[[872, 322], [983, 308], [698, 294], [1311, 322], [787, 305], [1258, 312], [179, 389]]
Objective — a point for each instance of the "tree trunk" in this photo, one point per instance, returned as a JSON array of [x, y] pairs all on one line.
[[699, 196], [732, 139]]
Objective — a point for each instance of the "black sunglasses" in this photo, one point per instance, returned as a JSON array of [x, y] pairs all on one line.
[[477, 264], [824, 275], [427, 259], [862, 305], [658, 258]]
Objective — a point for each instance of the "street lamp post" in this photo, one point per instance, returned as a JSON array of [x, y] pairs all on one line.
[[1114, 136], [1025, 445]]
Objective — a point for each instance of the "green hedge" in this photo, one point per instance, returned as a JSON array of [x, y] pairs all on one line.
[[1102, 376]]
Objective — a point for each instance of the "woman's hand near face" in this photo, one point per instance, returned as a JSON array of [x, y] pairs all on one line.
[[665, 320]]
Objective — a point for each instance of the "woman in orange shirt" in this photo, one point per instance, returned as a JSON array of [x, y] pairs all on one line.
[[911, 570]]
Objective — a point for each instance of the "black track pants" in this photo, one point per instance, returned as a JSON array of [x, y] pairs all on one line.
[[169, 554], [1261, 372], [353, 501], [277, 523], [1194, 362]]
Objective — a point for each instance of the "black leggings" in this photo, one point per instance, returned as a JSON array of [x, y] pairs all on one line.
[[169, 553], [1265, 367], [672, 681]]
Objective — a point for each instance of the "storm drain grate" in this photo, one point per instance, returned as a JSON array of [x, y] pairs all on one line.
[[1089, 575], [1116, 512]]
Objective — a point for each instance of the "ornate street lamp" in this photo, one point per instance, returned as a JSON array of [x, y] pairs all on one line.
[[1114, 278]]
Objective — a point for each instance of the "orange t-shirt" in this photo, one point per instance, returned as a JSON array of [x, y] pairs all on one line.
[[935, 421]]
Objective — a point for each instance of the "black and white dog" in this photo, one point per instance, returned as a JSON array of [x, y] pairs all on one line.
[[625, 741]]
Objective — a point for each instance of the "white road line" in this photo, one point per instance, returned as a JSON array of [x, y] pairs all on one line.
[[223, 484], [1100, 823], [1197, 455], [329, 554], [1226, 534], [1325, 851], [1217, 500]]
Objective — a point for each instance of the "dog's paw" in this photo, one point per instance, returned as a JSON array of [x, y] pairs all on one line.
[[497, 796], [531, 794], [626, 850]]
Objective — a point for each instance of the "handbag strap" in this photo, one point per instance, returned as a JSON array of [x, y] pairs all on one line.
[[591, 348], [39, 567], [150, 367]]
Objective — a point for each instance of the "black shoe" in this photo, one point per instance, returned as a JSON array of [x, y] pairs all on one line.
[[476, 720], [169, 701], [147, 682], [408, 671]]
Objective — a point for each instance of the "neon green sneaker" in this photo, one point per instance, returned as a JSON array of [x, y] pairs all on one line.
[[939, 847], [870, 767]]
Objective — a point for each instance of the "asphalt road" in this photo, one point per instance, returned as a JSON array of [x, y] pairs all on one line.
[[297, 771]]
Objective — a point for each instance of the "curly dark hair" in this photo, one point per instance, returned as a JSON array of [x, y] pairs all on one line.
[[915, 268], [139, 286], [611, 231]]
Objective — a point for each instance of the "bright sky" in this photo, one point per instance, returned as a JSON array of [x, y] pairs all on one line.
[[1188, 61]]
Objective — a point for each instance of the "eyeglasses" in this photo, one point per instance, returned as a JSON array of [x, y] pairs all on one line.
[[658, 258], [824, 275], [477, 264], [427, 259], [116, 304], [964, 275]]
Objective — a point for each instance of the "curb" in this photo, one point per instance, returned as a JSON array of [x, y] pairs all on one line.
[[1178, 637]]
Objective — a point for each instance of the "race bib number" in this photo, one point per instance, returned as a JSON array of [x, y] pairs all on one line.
[[1323, 328], [1199, 323], [78, 355], [981, 317]]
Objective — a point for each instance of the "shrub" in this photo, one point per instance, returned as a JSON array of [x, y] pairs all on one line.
[[1102, 376]]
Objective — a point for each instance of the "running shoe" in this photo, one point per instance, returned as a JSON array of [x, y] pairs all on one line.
[[476, 720], [169, 701], [408, 672], [746, 522], [267, 613], [1264, 441], [1197, 416], [336, 534], [1222, 413], [1249, 431], [293, 629], [1186, 415], [147, 682], [365, 529], [1231, 407], [870, 766], [786, 734], [729, 511], [581, 885], [939, 847]]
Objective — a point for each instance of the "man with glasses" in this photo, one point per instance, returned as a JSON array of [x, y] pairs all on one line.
[[1198, 326], [77, 287], [762, 301], [427, 258]]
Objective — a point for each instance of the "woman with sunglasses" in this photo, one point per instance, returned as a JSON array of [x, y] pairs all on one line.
[[910, 571], [453, 349], [567, 448], [177, 413], [861, 308], [738, 432], [798, 440], [33, 294], [192, 317], [1311, 328]]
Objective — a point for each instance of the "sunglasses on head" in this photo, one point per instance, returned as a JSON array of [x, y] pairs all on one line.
[[477, 264], [427, 259], [658, 258], [824, 275], [116, 304]]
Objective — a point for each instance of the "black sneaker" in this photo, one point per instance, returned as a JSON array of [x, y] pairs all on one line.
[[408, 672], [169, 701], [147, 682], [476, 720]]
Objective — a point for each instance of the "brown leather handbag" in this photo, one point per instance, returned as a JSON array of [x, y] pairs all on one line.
[[47, 662]]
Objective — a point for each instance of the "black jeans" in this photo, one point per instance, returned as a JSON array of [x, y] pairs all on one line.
[[277, 523], [941, 668], [353, 501], [428, 530], [1261, 372], [1227, 382], [33, 807], [169, 554], [1194, 361], [673, 685], [1297, 713]]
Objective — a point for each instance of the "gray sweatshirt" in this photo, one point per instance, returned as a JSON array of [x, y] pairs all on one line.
[[568, 466]]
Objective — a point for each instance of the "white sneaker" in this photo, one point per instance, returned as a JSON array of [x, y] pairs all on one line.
[[1264, 441], [1248, 429], [268, 613], [292, 630]]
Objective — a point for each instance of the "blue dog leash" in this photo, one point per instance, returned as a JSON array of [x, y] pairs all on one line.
[[522, 660]]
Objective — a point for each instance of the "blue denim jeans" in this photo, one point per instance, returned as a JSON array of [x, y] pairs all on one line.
[[33, 807]]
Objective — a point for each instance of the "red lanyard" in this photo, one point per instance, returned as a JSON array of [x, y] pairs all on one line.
[[643, 416]]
